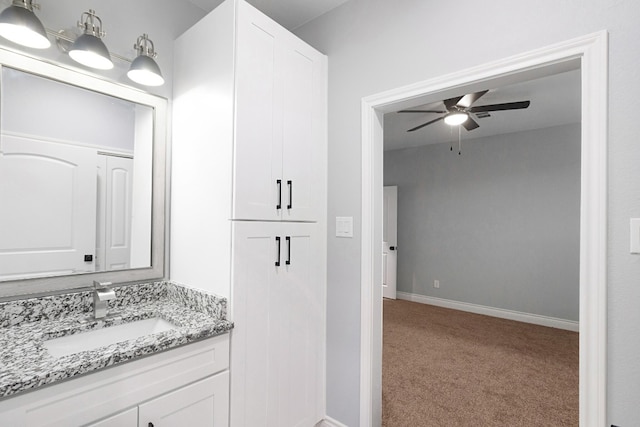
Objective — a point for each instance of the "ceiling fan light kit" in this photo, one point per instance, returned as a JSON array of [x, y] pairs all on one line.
[[456, 118], [458, 111]]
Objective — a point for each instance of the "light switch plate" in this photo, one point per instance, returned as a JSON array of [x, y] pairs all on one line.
[[634, 235], [344, 226]]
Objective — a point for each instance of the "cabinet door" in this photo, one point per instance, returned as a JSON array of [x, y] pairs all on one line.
[[258, 141], [276, 355], [255, 309], [128, 418], [303, 123], [202, 404], [299, 348]]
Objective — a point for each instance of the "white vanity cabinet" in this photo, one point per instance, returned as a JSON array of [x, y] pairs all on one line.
[[203, 404], [188, 385]]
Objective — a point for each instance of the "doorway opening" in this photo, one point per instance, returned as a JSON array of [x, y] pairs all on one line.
[[488, 226], [590, 52]]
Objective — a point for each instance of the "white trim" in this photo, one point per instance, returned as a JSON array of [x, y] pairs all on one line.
[[536, 319], [330, 422], [592, 51]]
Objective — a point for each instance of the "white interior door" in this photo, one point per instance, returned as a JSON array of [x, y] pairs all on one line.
[[119, 187], [390, 242], [47, 207]]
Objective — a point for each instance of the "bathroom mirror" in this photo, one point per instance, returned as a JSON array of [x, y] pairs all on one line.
[[82, 179]]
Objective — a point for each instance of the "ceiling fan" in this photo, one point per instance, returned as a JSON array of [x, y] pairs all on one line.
[[458, 110]]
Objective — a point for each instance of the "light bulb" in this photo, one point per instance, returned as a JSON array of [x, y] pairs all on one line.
[[456, 118]]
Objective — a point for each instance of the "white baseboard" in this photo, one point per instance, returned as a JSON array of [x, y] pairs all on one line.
[[536, 319], [330, 422]]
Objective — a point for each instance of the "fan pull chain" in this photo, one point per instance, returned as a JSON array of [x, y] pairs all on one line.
[[451, 137], [459, 142]]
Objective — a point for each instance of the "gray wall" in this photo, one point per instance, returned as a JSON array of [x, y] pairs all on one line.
[[498, 225], [377, 45]]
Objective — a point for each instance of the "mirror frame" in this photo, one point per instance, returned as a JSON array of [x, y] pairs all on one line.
[[24, 288]]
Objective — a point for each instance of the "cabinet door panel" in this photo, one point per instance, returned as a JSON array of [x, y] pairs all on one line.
[[203, 404], [127, 418], [255, 312], [300, 344], [258, 143], [301, 155], [277, 339]]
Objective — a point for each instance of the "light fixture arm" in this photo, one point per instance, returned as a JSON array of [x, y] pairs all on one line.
[[26, 4], [144, 46], [87, 24]]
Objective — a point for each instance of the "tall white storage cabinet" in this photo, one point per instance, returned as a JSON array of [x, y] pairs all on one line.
[[248, 209]]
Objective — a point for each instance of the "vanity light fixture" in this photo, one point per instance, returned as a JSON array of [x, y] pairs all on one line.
[[88, 49], [456, 118], [19, 24], [144, 69]]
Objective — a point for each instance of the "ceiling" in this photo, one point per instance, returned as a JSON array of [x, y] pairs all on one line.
[[555, 100], [288, 13]]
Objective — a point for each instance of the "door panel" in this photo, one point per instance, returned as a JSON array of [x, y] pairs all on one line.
[[258, 141], [297, 135], [202, 404], [277, 338], [47, 207], [255, 311], [119, 187], [301, 328], [390, 241], [127, 418]]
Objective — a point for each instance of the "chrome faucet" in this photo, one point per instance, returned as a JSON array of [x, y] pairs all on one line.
[[102, 293]]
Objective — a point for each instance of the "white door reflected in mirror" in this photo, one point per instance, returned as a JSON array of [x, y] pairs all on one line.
[[75, 179]]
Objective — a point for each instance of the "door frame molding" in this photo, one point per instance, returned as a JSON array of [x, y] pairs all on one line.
[[592, 53]]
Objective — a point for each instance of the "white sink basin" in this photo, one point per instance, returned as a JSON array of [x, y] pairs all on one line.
[[93, 339]]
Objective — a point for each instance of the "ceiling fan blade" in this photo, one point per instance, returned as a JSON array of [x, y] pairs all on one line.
[[470, 124], [425, 124], [421, 111], [451, 102], [500, 107], [470, 98]]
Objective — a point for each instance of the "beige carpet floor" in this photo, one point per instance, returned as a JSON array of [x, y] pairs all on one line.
[[445, 367]]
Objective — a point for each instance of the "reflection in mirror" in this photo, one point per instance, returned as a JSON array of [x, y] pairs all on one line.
[[75, 179]]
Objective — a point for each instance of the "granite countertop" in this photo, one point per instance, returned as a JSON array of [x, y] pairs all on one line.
[[26, 365]]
